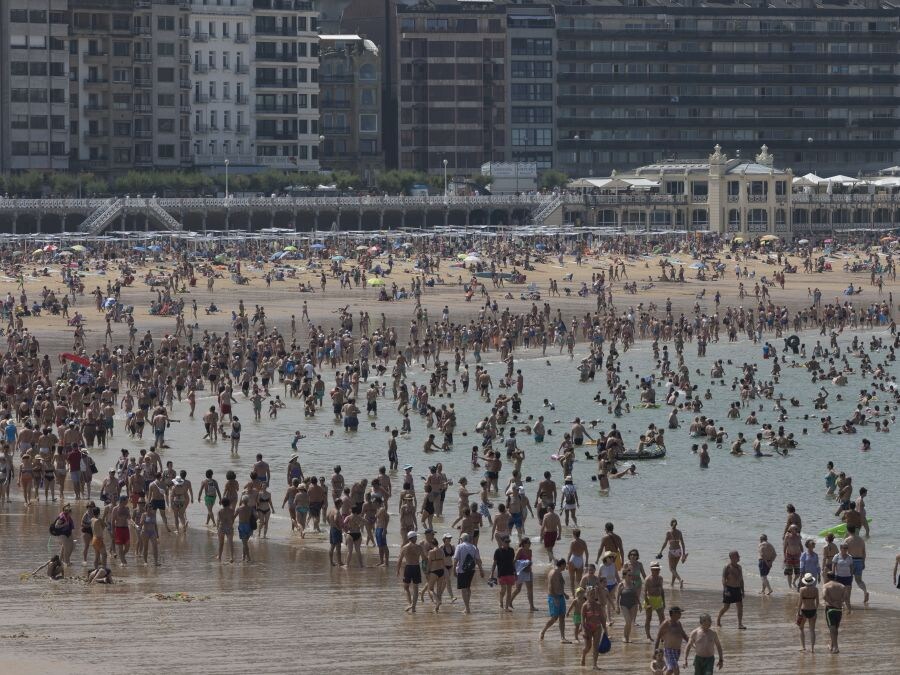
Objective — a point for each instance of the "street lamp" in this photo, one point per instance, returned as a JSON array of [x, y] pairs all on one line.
[[445, 179], [577, 158], [226, 177]]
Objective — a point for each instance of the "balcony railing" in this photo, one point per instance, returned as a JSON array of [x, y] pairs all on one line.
[[276, 109], [276, 135], [201, 37], [143, 82], [96, 80], [184, 84], [335, 77], [143, 57], [201, 98], [201, 68], [142, 108], [201, 128], [95, 55], [277, 84], [242, 129], [336, 130], [242, 69], [241, 99], [242, 38], [143, 133], [142, 30]]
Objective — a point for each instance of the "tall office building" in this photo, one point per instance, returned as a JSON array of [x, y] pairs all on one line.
[[648, 79], [285, 81], [451, 86], [162, 84], [34, 108], [350, 105], [220, 77]]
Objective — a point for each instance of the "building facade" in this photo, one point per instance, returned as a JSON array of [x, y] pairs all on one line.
[[649, 79], [450, 75], [285, 81], [531, 94], [34, 85], [350, 105], [220, 79]]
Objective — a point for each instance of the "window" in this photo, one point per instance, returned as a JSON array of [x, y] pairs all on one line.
[[226, 119], [368, 123], [165, 23], [165, 151], [534, 115], [18, 16], [532, 92], [226, 29], [58, 149], [121, 75], [38, 148], [367, 97], [57, 122], [18, 68], [165, 100], [38, 16], [532, 69], [19, 122], [121, 128], [39, 68], [18, 42], [165, 74], [367, 72], [165, 48], [122, 155], [165, 126], [532, 47], [20, 148], [529, 137], [38, 122]]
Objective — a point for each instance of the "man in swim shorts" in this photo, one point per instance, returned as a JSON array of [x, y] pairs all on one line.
[[556, 600], [551, 529], [654, 596], [733, 589], [671, 634], [706, 642], [833, 596]]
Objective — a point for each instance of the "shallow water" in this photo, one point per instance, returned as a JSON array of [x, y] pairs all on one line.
[[359, 618]]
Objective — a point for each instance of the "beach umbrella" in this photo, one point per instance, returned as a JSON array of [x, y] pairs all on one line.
[[738, 240], [888, 238], [49, 248], [803, 241], [78, 248], [828, 241], [769, 237], [471, 259], [317, 247], [142, 249], [540, 247], [375, 281], [698, 266], [16, 254], [338, 258], [74, 358], [461, 256], [220, 258], [362, 248], [37, 251], [374, 249], [407, 245], [65, 254], [155, 248], [290, 249]]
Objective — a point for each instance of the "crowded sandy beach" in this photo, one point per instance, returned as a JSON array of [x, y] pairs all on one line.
[[493, 449]]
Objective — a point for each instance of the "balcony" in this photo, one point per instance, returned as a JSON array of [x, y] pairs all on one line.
[[185, 110], [143, 133], [143, 160], [336, 105], [201, 128], [242, 129], [276, 135], [95, 56], [95, 80], [201, 68], [277, 84], [142, 4], [200, 37], [143, 57], [280, 5], [94, 108], [143, 109], [335, 77], [143, 82], [184, 58], [201, 98], [142, 30], [185, 134], [276, 109], [241, 99], [184, 32], [242, 69], [184, 84], [278, 57], [242, 38], [336, 130]]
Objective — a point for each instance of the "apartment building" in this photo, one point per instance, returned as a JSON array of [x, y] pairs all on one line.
[[350, 105], [451, 86], [162, 84], [644, 80], [220, 76], [285, 83], [34, 107], [101, 51], [531, 75]]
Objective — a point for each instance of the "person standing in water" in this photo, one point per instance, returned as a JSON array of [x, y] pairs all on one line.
[[807, 609], [733, 589], [677, 551]]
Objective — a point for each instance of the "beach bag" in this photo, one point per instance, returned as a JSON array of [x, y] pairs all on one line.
[[604, 645]]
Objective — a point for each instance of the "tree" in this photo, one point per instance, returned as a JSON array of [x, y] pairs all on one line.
[[64, 184], [344, 180], [551, 179], [398, 181], [28, 184], [481, 180], [91, 185]]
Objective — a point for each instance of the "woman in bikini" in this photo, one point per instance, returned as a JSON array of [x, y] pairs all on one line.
[[807, 609], [149, 533], [264, 510], [677, 551], [593, 625]]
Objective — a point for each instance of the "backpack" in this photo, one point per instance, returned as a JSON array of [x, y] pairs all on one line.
[[468, 563]]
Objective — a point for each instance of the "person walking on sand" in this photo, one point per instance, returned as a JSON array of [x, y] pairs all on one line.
[[767, 555], [466, 559], [833, 596], [671, 634], [409, 559], [677, 551], [654, 597], [705, 643], [556, 600], [733, 589], [807, 609]]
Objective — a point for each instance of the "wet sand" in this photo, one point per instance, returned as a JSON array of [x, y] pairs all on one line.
[[289, 611]]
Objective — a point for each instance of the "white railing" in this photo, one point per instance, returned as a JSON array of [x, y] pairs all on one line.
[[164, 216], [547, 208], [99, 219]]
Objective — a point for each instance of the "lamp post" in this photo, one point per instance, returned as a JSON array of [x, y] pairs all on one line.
[[226, 177], [445, 179], [577, 138]]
